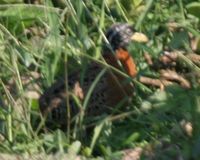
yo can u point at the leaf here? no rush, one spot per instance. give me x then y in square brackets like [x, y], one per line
[194, 9]
[17, 16]
[132, 138]
[137, 2]
[74, 148]
[179, 39]
[10, 1]
[97, 132]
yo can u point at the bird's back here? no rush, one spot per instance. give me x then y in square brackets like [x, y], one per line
[106, 94]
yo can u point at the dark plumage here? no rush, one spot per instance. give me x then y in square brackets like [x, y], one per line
[111, 90]
[119, 35]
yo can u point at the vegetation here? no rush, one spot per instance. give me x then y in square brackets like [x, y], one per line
[41, 40]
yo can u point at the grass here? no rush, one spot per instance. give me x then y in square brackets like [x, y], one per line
[40, 42]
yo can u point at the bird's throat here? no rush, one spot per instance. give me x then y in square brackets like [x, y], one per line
[127, 61]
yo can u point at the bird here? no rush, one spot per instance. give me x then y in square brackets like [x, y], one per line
[112, 89]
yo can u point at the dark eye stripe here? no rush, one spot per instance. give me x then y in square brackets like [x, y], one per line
[112, 35]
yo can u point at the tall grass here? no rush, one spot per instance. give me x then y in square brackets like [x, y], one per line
[40, 42]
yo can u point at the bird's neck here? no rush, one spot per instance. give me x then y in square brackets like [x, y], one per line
[125, 59]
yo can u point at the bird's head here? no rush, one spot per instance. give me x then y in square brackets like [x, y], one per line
[119, 37]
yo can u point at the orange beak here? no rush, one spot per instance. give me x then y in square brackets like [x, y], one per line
[139, 37]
